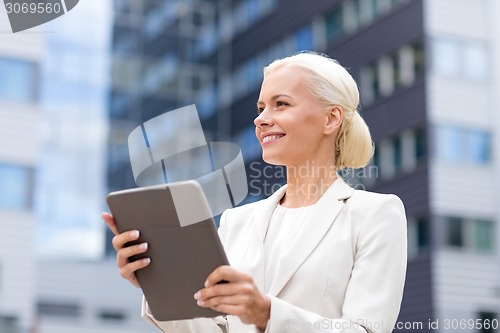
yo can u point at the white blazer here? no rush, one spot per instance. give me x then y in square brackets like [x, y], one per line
[344, 272]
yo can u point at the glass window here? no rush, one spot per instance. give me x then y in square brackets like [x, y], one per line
[334, 24]
[454, 58]
[419, 57]
[376, 157]
[446, 57]
[454, 232]
[18, 80]
[350, 15]
[422, 234]
[240, 18]
[483, 235]
[366, 81]
[420, 143]
[463, 145]
[396, 69]
[367, 10]
[386, 151]
[418, 238]
[252, 73]
[252, 10]
[14, 187]
[475, 61]
[479, 146]
[207, 100]
[370, 83]
[450, 143]
[398, 156]
[197, 18]
[58, 309]
[112, 315]
[406, 61]
[384, 6]
[119, 104]
[225, 26]
[303, 39]
[154, 23]
[9, 324]
[398, 2]
[386, 75]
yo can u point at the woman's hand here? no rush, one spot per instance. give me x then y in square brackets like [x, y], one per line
[123, 253]
[239, 297]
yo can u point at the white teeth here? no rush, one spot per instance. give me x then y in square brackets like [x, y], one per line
[271, 137]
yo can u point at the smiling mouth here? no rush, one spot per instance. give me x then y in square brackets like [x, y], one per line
[272, 138]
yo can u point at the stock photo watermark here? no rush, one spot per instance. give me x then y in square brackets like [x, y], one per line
[26, 14]
[444, 324]
[335, 324]
[265, 179]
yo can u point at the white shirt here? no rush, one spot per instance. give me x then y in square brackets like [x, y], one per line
[284, 225]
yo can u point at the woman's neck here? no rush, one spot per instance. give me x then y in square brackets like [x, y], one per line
[307, 183]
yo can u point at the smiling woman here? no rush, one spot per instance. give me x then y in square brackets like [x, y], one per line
[317, 255]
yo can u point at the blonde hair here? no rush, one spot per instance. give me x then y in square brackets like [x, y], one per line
[333, 85]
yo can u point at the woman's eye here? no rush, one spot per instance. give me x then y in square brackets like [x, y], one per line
[259, 110]
[281, 103]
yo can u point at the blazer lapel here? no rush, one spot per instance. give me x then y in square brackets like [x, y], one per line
[311, 232]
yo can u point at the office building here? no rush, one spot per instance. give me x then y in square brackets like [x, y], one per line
[86, 297]
[20, 134]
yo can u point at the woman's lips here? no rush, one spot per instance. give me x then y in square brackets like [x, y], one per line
[271, 138]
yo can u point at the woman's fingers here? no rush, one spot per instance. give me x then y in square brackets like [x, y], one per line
[224, 289]
[128, 271]
[239, 297]
[123, 254]
[226, 273]
[120, 240]
[110, 222]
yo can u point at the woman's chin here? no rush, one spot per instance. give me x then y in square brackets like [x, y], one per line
[272, 159]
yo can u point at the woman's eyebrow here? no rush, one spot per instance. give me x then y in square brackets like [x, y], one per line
[275, 97]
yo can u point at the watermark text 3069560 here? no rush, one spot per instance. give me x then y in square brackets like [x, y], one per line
[40, 8]
[26, 14]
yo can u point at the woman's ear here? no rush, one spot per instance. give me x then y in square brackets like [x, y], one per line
[334, 118]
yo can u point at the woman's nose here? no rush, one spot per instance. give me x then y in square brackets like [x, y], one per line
[263, 119]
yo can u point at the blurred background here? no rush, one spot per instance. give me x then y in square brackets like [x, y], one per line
[73, 89]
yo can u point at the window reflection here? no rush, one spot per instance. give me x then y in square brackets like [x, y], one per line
[18, 77]
[461, 145]
[14, 187]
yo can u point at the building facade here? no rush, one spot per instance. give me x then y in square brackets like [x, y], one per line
[427, 72]
[20, 134]
[86, 297]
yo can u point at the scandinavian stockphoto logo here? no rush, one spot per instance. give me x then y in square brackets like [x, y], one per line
[172, 147]
[26, 14]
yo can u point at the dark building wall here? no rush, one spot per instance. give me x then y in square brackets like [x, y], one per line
[416, 307]
[402, 26]
[292, 14]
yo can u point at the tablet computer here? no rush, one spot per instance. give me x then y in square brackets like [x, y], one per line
[182, 254]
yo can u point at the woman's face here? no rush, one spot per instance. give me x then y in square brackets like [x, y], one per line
[291, 125]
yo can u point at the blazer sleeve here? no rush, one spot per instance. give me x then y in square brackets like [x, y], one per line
[375, 289]
[205, 325]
